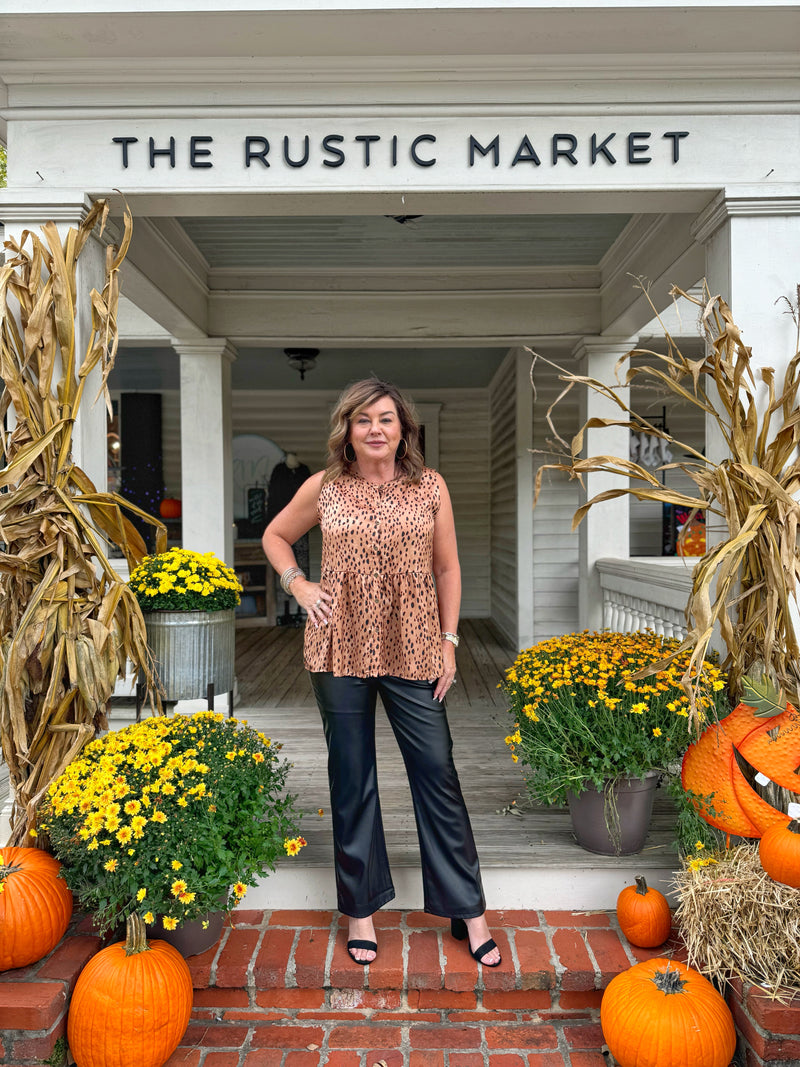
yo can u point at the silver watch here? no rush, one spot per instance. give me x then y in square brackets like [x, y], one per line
[452, 638]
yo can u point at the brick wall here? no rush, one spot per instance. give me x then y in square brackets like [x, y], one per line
[34, 1000]
[769, 1031]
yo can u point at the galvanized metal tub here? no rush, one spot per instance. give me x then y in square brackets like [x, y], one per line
[192, 649]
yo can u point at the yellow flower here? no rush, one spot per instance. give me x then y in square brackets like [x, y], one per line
[142, 893]
[169, 922]
[239, 889]
[111, 865]
[178, 887]
[639, 709]
[149, 918]
[176, 865]
[698, 845]
[656, 731]
[186, 898]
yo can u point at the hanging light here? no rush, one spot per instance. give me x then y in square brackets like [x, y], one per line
[302, 359]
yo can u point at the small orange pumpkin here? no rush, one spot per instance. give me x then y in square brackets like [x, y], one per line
[131, 1003]
[35, 906]
[643, 915]
[779, 852]
[661, 1013]
[170, 508]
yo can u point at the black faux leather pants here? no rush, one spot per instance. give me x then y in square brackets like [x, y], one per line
[450, 871]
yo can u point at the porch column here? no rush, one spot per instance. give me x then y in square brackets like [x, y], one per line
[604, 531]
[89, 446]
[752, 260]
[206, 445]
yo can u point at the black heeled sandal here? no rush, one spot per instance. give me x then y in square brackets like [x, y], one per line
[458, 929]
[370, 946]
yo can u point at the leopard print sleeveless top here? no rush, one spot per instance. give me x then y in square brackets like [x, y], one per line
[377, 556]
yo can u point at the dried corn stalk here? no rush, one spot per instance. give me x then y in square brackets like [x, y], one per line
[746, 582]
[68, 623]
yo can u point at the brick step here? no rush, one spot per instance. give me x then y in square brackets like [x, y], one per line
[549, 952]
[278, 990]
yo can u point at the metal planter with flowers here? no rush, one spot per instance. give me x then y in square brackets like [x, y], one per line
[188, 600]
[171, 819]
[595, 735]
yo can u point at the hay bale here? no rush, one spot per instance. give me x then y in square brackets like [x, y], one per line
[737, 922]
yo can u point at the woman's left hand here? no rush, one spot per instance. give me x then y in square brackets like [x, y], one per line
[448, 678]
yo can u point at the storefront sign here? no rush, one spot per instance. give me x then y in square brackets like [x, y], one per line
[260, 151]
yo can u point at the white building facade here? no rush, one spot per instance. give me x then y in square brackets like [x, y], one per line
[424, 192]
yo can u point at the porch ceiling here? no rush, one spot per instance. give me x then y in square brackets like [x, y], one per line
[404, 241]
[267, 368]
[410, 281]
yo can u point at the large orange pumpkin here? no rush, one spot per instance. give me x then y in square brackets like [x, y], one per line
[770, 745]
[35, 906]
[661, 1013]
[643, 915]
[779, 852]
[131, 1004]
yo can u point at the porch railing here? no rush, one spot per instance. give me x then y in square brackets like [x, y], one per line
[646, 593]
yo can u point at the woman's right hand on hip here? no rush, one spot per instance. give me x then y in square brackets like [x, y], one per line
[312, 597]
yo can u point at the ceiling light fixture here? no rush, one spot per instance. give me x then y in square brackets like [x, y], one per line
[302, 359]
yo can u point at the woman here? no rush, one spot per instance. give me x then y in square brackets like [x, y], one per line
[378, 623]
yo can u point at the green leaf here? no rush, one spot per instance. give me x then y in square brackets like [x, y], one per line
[762, 696]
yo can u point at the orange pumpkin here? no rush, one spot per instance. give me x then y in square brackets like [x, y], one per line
[170, 508]
[131, 1004]
[35, 906]
[779, 852]
[643, 915]
[771, 746]
[661, 1013]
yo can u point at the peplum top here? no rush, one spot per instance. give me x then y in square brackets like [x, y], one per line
[377, 558]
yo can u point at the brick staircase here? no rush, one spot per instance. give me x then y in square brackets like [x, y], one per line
[278, 990]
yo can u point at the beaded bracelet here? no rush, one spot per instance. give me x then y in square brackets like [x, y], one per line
[288, 577]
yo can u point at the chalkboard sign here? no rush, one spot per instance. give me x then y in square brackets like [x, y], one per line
[257, 506]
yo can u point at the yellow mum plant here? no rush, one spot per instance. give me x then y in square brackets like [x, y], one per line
[581, 717]
[181, 580]
[171, 817]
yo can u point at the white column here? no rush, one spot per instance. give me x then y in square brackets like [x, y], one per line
[604, 532]
[524, 471]
[89, 433]
[752, 260]
[207, 445]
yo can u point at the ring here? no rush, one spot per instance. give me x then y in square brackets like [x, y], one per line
[317, 602]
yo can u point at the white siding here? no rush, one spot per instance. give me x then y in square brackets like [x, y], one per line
[503, 498]
[297, 420]
[555, 547]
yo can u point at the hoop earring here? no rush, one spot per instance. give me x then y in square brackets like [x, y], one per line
[402, 455]
[349, 458]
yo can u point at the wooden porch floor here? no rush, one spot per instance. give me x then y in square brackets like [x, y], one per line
[275, 696]
[270, 673]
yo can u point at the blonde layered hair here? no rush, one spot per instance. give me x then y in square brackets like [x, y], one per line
[353, 401]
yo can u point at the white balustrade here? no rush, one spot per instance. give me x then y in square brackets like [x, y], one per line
[646, 593]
